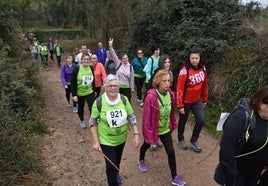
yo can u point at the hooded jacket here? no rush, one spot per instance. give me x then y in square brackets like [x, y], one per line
[192, 85]
[151, 116]
[234, 130]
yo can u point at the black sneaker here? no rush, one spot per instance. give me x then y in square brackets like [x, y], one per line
[182, 145]
[195, 146]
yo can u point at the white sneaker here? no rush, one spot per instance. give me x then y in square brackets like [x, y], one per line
[75, 110]
[68, 104]
[83, 125]
[153, 147]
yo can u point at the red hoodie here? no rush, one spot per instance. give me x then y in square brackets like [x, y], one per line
[192, 86]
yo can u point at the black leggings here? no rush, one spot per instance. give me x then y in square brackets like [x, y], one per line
[68, 94]
[168, 144]
[126, 92]
[81, 104]
[97, 90]
[115, 155]
[139, 83]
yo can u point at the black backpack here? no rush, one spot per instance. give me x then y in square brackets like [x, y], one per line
[110, 67]
[249, 124]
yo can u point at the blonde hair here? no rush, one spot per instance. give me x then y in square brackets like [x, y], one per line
[158, 77]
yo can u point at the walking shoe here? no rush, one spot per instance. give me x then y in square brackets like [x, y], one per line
[119, 179]
[75, 110]
[83, 125]
[195, 146]
[159, 143]
[182, 145]
[68, 104]
[142, 166]
[177, 180]
[153, 147]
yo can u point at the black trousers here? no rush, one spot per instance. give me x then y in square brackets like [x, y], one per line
[139, 83]
[97, 90]
[115, 155]
[68, 94]
[199, 115]
[126, 92]
[166, 139]
[81, 104]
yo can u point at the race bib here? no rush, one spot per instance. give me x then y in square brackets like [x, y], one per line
[116, 118]
[87, 80]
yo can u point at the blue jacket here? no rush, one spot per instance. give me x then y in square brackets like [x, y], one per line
[101, 54]
[66, 74]
[138, 66]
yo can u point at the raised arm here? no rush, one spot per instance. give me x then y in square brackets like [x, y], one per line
[113, 54]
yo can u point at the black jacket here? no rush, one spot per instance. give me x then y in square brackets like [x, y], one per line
[233, 132]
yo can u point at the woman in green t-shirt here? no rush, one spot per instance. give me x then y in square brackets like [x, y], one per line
[109, 123]
[159, 121]
[83, 87]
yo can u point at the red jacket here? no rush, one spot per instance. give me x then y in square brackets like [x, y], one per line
[99, 74]
[191, 86]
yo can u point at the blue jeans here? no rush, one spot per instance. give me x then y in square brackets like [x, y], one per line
[199, 115]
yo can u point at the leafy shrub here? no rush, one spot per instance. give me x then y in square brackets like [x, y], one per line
[238, 74]
[70, 45]
[43, 35]
[20, 117]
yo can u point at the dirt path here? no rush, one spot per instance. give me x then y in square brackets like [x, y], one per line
[71, 160]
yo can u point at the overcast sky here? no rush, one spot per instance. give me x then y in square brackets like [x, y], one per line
[264, 3]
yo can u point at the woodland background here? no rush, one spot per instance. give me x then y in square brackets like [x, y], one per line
[232, 36]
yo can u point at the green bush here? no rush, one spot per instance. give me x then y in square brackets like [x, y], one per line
[238, 74]
[20, 116]
[70, 45]
[60, 34]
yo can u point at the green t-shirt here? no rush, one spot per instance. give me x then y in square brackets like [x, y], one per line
[58, 50]
[165, 109]
[84, 81]
[43, 50]
[112, 127]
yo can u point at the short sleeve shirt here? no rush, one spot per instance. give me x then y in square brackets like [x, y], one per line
[112, 127]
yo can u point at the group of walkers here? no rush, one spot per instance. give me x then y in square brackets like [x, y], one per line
[112, 115]
[46, 50]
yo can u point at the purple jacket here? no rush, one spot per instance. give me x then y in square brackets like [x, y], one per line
[151, 116]
[66, 74]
